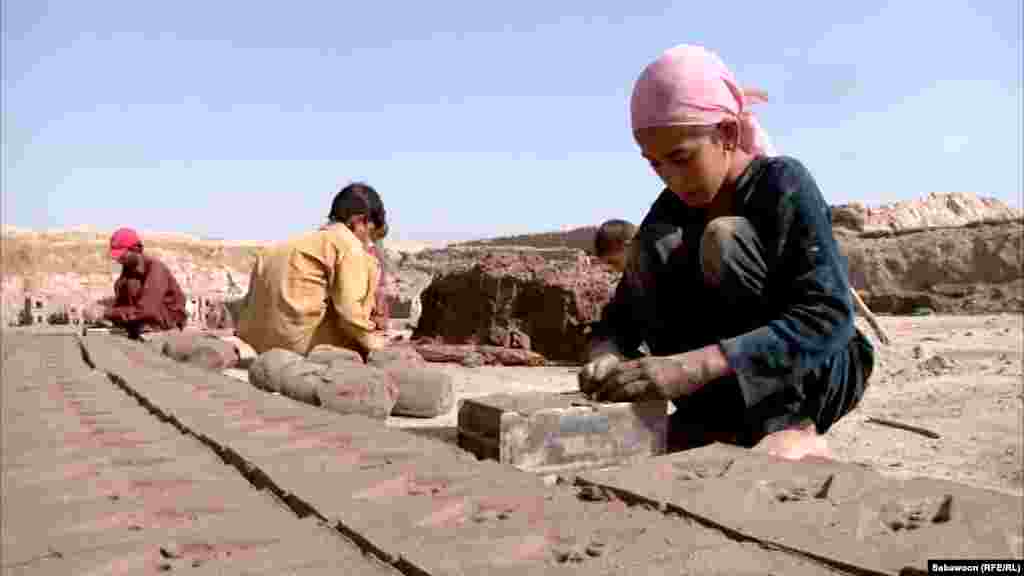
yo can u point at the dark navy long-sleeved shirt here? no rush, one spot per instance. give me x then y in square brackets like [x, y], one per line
[805, 316]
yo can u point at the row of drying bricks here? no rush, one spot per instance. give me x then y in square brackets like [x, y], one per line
[416, 504]
[94, 484]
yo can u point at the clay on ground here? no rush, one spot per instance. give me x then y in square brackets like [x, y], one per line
[265, 371]
[423, 391]
[300, 380]
[199, 349]
[471, 355]
[415, 500]
[957, 375]
[833, 511]
[96, 484]
[388, 354]
[357, 389]
[326, 353]
[246, 353]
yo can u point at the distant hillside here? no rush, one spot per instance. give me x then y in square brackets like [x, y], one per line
[72, 267]
[577, 238]
[72, 270]
[45, 253]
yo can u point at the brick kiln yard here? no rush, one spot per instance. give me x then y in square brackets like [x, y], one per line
[117, 460]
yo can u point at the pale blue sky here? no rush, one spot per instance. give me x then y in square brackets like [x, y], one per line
[473, 119]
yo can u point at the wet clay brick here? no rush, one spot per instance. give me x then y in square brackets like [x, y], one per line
[559, 432]
[200, 349]
[299, 381]
[423, 391]
[357, 389]
[265, 370]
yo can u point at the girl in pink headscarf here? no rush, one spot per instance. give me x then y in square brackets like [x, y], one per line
[683, 96]
[735, 282]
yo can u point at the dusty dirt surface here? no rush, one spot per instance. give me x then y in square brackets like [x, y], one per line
[957, 376]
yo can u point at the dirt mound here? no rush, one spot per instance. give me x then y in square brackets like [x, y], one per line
[577, 239]
[934, 211]
[517, 292]
[949, 253]
[975, 269]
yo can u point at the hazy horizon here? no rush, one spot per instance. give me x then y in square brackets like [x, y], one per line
[239, 122]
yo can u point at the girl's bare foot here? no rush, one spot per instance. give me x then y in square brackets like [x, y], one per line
[795, 444]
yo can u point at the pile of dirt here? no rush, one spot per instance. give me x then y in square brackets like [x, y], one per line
[949, 253]
[936, 210]
[973, 269]
[414, 271]
[581, 238]
[517, 298]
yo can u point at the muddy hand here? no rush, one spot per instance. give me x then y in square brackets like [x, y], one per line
[656, 378]
[638, 380]
[595, 372]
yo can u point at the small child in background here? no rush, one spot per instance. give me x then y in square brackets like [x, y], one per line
[381, 314]
[611, 246]
[611, 243]
[374, 245]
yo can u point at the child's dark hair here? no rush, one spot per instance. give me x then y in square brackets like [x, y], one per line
[612, 235]
[353, 200]
[357, 199]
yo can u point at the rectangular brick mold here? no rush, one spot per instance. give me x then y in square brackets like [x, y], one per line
[543, 432]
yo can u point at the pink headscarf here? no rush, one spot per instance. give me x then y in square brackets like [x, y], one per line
[691, 86]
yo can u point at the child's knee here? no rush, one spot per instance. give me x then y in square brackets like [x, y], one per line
[719, 244]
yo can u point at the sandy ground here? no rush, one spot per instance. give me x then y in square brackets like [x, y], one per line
[958, 376]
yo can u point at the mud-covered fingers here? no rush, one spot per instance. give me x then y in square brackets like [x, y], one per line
[623, 375]
[630, 392]
[586, 381]
[604, 366]
[595, 372]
